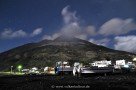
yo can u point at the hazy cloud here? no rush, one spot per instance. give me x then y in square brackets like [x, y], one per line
[36, 32]
[82, 36]
[71, 29]
[90, 30]
[72, 26]
[103, 42]
[117, 26]
[51, 37]
[8, 34]
[125, 43]
[48, 37]
[71, 22]
[68, 16]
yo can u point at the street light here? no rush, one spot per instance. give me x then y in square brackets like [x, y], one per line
[19, 67]
[11, 69]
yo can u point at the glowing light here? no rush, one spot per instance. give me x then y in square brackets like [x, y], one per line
[19, 67]
[134, 59]
[126, 66]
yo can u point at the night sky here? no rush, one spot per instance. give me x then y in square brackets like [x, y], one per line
[111, 23]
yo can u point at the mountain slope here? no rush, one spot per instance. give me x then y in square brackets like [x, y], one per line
[47, 52]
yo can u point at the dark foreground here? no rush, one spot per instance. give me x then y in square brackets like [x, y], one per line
[95, 82]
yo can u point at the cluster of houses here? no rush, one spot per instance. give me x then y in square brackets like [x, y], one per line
[102, 66]
[117, 65]
[36, 71]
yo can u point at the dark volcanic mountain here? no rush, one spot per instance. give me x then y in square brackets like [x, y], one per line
[68, 48]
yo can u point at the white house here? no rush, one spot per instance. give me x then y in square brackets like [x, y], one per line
[103, 63]
[120, 62]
